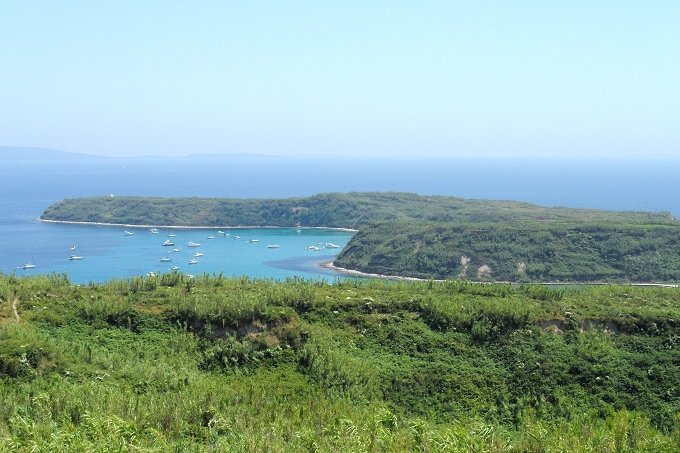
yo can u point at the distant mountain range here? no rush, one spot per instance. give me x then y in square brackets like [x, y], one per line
[231, 156]
[24, 153]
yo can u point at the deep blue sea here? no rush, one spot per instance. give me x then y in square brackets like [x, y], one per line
[27, 188]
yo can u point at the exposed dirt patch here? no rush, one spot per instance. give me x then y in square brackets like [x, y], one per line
[559, 326]
[553, 326]
[15, 313]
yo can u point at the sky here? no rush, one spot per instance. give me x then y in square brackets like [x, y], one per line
[352, 78]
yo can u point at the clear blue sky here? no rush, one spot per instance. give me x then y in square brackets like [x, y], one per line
[355, 77]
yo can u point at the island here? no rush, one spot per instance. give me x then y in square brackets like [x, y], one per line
[432, 237]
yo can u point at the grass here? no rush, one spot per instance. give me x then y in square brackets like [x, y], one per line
[214, 364]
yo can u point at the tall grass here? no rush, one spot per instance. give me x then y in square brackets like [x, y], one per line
[217, 364]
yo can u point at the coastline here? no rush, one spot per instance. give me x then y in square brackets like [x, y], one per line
[192, 227]
[354, 273]
[340, 270]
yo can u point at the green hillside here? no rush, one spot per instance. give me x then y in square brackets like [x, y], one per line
[169, 363]
[524, 251]
[343, 210]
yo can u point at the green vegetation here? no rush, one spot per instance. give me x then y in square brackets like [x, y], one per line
[169, 363]
[339, 210]
[435, 237]
[518, 252]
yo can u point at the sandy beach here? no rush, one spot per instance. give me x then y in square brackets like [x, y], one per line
[354, 273]
[189, 227]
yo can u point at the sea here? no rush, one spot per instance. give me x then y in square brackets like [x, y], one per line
[28, 187]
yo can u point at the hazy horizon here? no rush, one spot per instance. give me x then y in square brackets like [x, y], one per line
[381, 78]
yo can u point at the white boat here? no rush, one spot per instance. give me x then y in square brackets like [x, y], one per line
[210, 237]
[193, 244]
[165, 259]
[273, 246]
[237, 237]
[221, 232]
[128, 233]
[75, 258]
[175, 250]
[197, 254]
[172, 235]
[193, 261]
[153, 230]
[330, 245]
[28, 266]
[253, 240]
[313, 248]
[168, 243]
[174, 268]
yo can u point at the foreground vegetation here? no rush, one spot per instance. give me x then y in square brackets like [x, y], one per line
[169, 363]
[518, 251]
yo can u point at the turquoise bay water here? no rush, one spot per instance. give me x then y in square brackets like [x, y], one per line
[108, 253]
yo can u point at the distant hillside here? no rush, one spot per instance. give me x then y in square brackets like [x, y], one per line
[524, 252]
[230, 156]
[21, 153]
[344, 210]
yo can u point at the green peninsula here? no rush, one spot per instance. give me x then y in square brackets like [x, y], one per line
[410, 235]
[336, 210]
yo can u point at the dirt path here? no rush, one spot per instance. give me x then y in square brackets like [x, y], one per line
[15, 313]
